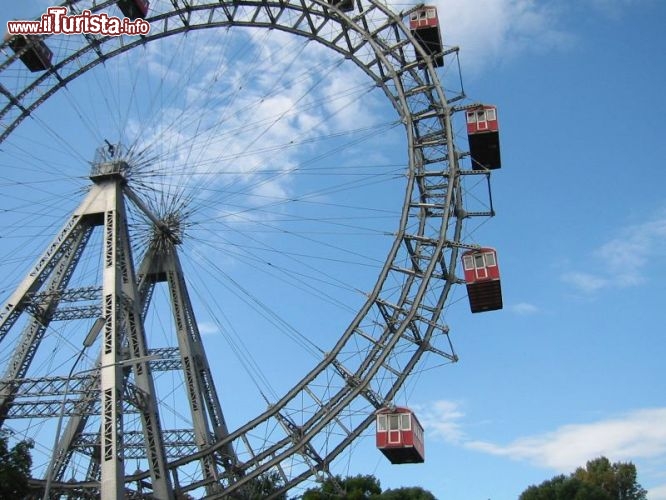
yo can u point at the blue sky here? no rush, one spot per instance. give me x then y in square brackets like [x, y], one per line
[572, 367]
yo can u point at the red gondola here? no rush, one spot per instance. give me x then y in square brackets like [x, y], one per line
[33, 51]
[134, 9]
[424, 25]
[400, 435]
[483, 136]
[483, 279]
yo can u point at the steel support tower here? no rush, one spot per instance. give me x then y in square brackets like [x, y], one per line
[121, 382]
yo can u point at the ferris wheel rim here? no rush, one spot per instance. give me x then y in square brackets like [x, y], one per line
[403, 109]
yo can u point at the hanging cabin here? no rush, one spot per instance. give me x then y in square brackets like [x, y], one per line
[483, 137]
[400, 436]
[134, 9]
[482, 277]
[424, 26]
[32, 51]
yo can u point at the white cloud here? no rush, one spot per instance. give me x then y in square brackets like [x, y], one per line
[657, 492]
[442, 419]
[489, 31]
[262, 119]
[208, 328]
[621, 262]
[585, 282]
[348, 101]
[525, 308]
[636, 435]
[271, 191]
[628, 254]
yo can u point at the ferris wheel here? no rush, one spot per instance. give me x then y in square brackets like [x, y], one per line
[185, 196]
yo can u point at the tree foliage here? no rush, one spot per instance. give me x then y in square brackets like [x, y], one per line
[354, 487]
[599, 480]
[363, 487]
[15, 464]
[261, 487]
[411, 493]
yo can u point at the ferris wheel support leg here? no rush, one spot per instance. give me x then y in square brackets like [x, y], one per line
[190, 342]
[38, 275]
[111, 467]
[161, 263]
[42, 309]
[144, 393]
[121, 308]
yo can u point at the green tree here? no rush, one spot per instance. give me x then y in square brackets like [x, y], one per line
[599, 480]
[619, 480]
[558, 488]
[361, 488]
[411, 493]
[261, 487]
[15, 466]
[358, 487]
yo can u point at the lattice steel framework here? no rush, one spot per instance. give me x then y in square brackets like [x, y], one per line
[310, 425]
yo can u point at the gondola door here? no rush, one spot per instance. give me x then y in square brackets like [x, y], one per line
[481, 121]
[394, 429]
[480, 266]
